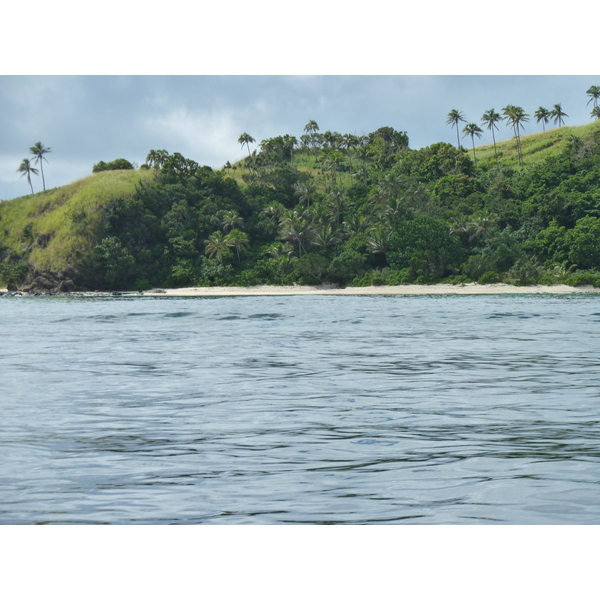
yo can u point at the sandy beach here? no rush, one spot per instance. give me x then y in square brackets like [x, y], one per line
[407, 290]
[330, 290]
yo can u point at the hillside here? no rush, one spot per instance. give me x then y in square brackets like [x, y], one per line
[56, 229]
[536, 147]
[334, 209]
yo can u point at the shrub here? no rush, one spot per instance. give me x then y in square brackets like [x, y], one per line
[13, 272]
[583, 278]
[114, 165]
[489, 277]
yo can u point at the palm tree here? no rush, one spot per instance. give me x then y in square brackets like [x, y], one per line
[293, 228]
[38, 150]
[161, 157]
[542, 114]
[490, 118]
[324, 237]
[515, 116]
[25, 168]
[378, 242]
[557, 114]
[473, 130]
[594, 94]
[311, 129]
[217, 245]
[596, 112]
[247, 139]
[237, 239]
[232, 220]
[454, 118]
[152, 158]
[305, 191]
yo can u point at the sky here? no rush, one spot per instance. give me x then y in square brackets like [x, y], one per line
[85, 119]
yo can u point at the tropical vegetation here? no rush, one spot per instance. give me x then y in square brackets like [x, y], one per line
[341, 208]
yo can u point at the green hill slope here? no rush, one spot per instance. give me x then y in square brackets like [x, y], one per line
[53, 229]
[536, 147]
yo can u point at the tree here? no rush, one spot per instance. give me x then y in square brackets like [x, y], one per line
[38, 150]
[557, 114]
[247, 139]
[25, 168]
[596, 112]
[473, 130]
[490, 118]
[305, 191]
[594, 94]
[157, 158]
[542, 114]
[454, 118]
[239, 240]
[113, 165]
[217, 245]
[232, 220]
[516, 116]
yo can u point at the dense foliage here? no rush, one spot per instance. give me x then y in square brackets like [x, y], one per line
[351, 210]
[356, 211]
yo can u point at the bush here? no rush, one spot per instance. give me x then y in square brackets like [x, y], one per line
[489, 277]
[583, 278]
[346, 266]
[114, 165]
[13, 272]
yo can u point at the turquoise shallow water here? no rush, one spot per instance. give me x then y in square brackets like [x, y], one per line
[301, 409]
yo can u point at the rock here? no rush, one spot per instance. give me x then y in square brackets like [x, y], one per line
[12, 287]
[66, 286]
[44, 283]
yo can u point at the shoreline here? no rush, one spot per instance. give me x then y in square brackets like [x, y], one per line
[383, 290]
[440, 289]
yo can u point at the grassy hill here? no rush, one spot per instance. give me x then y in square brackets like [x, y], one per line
[535, 146]
[50, 229]
[53, 235]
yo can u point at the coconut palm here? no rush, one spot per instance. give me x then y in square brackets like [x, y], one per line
[490, 118]
[25, 168]
[473, 130]
[293, 228]
[38, 150]
[151, 158]
[239, 240]
[557, 114]
[378, 242]
[247, 139]
[453, 118]
[596, 112]
[311, 129]
[355, 223]
[336, 200]
[594, 94]
[305, 191]
[516, 116]
[231, 220]
[542, 114]
[324, 237]
[217, 245]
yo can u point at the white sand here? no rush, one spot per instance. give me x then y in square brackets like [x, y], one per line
[381, 290]
[409, 290]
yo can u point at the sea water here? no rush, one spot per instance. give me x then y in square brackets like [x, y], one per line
[300, 409]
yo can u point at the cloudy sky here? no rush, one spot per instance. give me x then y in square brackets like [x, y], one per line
[85, 119]
[76, 93]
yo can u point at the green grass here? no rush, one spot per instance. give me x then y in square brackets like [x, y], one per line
[535, 146]
[52, 228]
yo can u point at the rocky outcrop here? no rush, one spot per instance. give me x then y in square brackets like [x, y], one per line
[51, 282]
